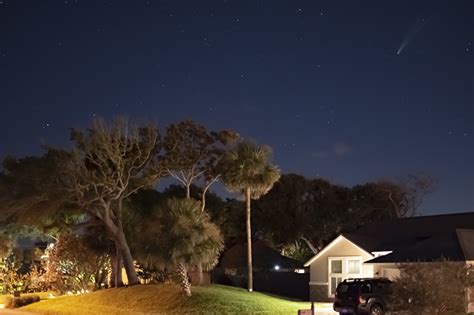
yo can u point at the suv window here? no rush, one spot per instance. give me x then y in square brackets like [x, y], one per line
[351, 288]
[366, 287]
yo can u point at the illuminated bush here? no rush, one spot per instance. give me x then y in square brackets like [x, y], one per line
[435, 287]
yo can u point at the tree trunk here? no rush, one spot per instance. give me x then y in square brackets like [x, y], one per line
[116, 277]
[188, 191]
[249, 242]
[127, 258]
[310, 245]
[183, 279]
[200, 274]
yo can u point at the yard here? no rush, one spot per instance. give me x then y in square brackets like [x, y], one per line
[167, 299]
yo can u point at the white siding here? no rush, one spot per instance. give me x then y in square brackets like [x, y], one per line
[342, 248]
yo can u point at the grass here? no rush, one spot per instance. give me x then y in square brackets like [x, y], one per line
[167, 299]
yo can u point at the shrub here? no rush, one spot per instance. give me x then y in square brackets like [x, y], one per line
[432, 286]
[22, 301]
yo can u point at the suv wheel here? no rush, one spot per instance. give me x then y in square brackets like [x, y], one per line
[376, 310]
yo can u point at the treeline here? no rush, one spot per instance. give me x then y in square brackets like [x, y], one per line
[102, 189]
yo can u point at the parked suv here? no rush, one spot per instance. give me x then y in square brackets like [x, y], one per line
[363, 296]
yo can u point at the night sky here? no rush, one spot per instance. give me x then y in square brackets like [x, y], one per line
[351, 91]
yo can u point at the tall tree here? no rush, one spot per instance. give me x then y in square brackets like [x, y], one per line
[192, 154]
[247, 169]
[111, 162]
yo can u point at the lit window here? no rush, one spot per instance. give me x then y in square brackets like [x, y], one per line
[336, 266]
[353, 266]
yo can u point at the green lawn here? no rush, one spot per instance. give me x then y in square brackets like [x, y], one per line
[167, 299]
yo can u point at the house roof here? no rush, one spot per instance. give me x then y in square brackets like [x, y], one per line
[425, 238]
[446, 245]
[394, 234]
[263, 257]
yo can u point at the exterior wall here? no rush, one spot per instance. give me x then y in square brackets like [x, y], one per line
[390, 271]
[319, 281]
[344, 248]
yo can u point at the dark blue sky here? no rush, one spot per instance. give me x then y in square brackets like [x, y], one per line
[319, 81]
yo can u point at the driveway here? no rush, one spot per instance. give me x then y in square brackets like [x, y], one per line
[324, 309]
[6, 311]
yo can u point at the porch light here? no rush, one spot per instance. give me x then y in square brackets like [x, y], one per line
[276, 267]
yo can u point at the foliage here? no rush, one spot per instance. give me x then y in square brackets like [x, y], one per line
[192, 154]
[301, 215]
[11, 279]
[177, 232]
[167, 299]
[231, 220]
[36, 280]
[433, 286]
[73, 266]
[29, 188]
[248, 166]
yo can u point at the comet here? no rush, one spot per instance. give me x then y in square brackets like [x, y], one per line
[412, 34]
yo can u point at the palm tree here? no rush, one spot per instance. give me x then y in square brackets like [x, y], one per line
[187, 237]
[248, 170]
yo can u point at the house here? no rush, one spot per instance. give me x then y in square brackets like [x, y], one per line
[376, 250]
[272, 272]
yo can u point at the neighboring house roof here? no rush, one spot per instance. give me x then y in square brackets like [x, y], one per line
[426, 238]
[263, 257]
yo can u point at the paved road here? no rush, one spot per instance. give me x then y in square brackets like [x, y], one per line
[6, 311]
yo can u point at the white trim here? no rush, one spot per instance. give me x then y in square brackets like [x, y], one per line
[332, 244]
[318, 283]
[382, 253]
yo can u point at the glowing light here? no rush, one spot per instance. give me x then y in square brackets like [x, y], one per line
[276, 267]
[2, 306]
